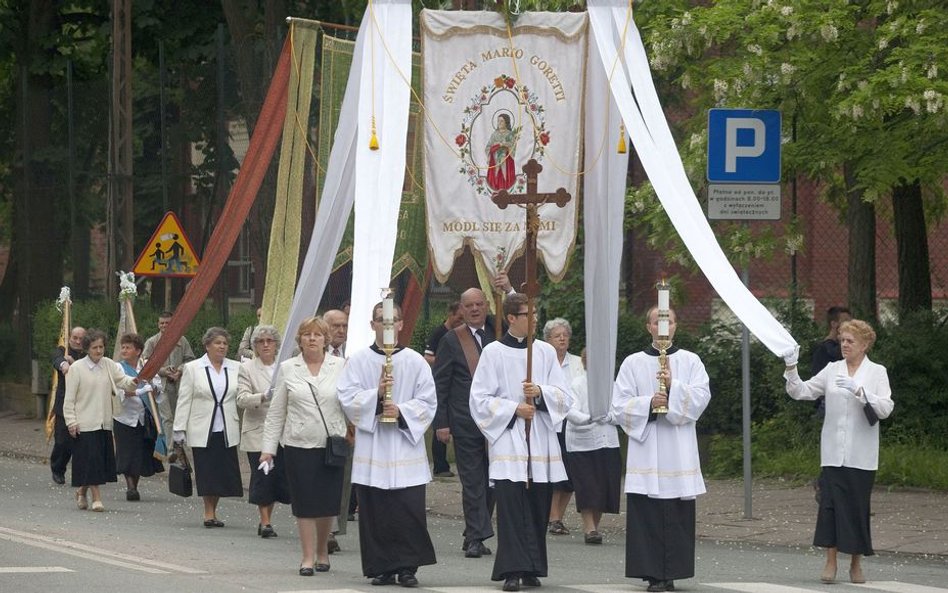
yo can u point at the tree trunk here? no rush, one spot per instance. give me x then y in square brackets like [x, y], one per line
[861, 221]
[911, 236]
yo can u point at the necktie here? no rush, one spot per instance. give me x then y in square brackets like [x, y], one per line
[481, 338]
[337, 352]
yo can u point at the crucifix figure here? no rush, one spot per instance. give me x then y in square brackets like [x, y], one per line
[532, 199]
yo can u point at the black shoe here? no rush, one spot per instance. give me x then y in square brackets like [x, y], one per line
[444, 474]
[384, 579]
[407, 579]
[266, 531]
[657, 585]
[476, 549]
[529, 580]
[213, 523]
[593, 537]
[333, 545]
[307, 571]
[59, 478]
[669, 585]
[132, 495]
[512, 584]
[320, 567]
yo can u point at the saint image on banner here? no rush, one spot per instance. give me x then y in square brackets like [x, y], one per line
[501, 147]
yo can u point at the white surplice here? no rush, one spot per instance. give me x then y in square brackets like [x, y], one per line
[497, 389]
[389, 455]
[662, 459]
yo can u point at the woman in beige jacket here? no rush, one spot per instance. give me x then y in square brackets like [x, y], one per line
[304, 411]
[206, 418]
[254, 392]
[87, 410]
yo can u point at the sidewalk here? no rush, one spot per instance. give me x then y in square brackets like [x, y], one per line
[904, 521]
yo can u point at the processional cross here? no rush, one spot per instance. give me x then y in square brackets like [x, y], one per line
[532, 199]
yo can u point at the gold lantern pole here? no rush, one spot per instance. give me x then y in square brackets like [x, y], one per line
[388, 342]
[663, 342]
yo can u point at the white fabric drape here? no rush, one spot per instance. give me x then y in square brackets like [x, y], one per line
[347, 165]
[380, 174]
[645, 120]
[603, 205]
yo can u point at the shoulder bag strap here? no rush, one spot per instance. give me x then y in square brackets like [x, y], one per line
[468, 347]
[323, 418]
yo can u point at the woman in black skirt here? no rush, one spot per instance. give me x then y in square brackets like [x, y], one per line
[134, 425]
[857, 395]
[303, 413]
[254, 392]
[206, 418]
[594, 462]
[87, 409]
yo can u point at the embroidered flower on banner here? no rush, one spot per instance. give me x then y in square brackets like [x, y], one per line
[496, 164]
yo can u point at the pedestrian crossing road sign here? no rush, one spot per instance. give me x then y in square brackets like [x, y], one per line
[168, 253]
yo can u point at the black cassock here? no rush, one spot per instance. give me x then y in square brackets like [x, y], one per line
[522, 515]
[393, 530]
[659, 538]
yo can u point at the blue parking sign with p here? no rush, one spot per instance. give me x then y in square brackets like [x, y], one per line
[743, 146]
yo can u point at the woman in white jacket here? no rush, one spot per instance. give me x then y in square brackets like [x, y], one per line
[304, 411]
[857, 396]
[206, 418]
[254, 392]
[87, 411]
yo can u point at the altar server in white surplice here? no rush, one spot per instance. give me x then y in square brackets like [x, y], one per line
[390, 463]
[499, 408]
[663, 473]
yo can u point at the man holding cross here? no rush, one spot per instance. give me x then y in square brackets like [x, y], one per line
[517, 405]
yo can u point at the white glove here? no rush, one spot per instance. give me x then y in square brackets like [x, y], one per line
[266, 466]
[847, 383]
[179, 437]
[604, 419]
[791, 356]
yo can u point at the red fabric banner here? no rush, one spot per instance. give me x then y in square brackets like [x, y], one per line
[263, 143]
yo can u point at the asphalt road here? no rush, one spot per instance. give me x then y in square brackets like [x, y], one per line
[159, 544]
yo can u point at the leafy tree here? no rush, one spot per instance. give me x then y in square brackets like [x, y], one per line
[863, 99]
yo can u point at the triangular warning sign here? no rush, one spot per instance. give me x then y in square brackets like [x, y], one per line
[168, 253]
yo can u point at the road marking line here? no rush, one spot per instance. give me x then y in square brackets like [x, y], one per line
[92, 553]
[759, 587]
[896, 587]
[31, 569]
[322, 591]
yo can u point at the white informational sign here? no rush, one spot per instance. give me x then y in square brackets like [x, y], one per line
[743, 201]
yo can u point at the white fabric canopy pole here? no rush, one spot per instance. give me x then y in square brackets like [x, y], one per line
[656, 148]
[380, 174]
[603, 207]
[339, 189]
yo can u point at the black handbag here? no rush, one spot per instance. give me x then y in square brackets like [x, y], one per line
[871, 415]
[337, 448]
[179, 475]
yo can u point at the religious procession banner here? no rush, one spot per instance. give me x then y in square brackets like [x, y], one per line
[495, 98]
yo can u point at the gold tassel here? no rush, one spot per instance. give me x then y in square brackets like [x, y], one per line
[373, 140]
[621, 149]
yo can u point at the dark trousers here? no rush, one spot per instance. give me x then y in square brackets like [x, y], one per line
[62, 447]
[477, 499]
[439, 456]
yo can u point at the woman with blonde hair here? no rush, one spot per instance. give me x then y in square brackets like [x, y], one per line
[305, 411]
[857, 396]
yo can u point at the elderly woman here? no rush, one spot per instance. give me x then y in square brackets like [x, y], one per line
[87, 410]
[206, 418]
[857, 396]
[593, 461]
[303, 413]
[557, 332]
[134, 426]
[254, 392]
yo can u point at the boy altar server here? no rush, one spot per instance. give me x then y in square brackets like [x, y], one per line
[390, 463]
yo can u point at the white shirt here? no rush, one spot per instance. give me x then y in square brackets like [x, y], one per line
[389, 455]
[847, 439]
[662, 460]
